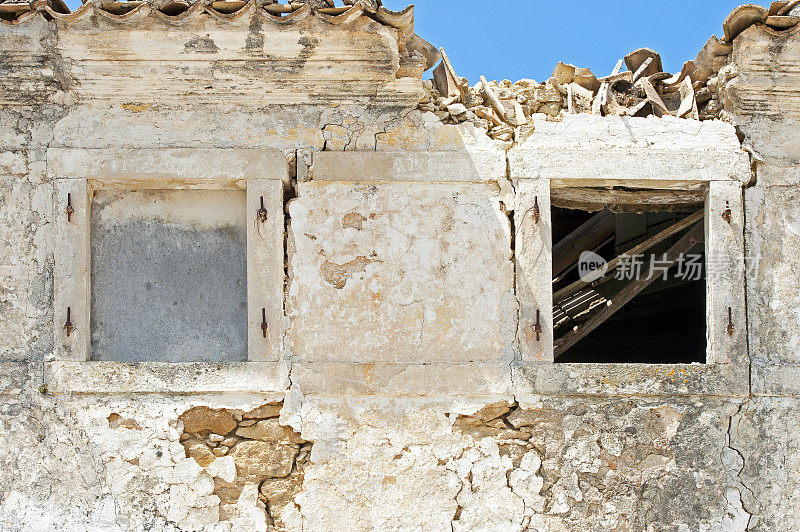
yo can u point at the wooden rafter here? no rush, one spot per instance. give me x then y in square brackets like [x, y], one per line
[588, 235]
[644, 246]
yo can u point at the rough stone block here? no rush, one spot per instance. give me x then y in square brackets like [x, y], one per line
[773, 286]
[202, 418]
[400, 273]
[659, 152]
[461, 166]
[257, 460]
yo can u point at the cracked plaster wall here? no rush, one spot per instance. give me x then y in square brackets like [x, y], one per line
[377, 461]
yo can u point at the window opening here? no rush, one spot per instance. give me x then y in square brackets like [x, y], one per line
[629, 287]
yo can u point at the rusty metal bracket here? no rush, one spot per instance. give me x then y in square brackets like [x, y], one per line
[70, 211]
[729, 328]
[68, 326]
[727, 215]
[536, 212]
[537, 327]
[262, 212]
[264, 325]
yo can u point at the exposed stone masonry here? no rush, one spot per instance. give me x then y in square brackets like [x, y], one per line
[265, 453]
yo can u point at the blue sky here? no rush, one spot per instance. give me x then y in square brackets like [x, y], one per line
[514, 39]
[517, 39]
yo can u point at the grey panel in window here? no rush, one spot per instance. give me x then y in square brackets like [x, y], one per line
[168, 276]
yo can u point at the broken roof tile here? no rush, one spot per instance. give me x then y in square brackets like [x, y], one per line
[742, 18]
[782, 22]
[637, 58]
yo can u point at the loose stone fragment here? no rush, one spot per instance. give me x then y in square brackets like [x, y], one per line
[637, 58]
[202, 418]
[257, 460]
[587, 80]
[456, 109]
[564, 74]
[269, 430]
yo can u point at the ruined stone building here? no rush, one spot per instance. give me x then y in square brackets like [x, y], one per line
[277, 266]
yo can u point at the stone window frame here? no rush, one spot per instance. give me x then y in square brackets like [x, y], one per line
[726, 371]
[76, 174]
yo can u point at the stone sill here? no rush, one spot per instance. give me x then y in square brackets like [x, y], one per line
[418, 380]
[167, 378]
[616, 380]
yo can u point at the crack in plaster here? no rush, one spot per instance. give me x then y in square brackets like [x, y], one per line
[734, 470]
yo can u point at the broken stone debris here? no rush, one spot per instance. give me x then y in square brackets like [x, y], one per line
[644, 89]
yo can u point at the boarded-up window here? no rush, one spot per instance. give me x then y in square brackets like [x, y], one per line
[168, 276]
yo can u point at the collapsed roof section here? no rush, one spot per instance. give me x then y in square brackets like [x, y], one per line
[641, 88]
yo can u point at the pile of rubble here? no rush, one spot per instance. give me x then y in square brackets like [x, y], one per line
[506, 109]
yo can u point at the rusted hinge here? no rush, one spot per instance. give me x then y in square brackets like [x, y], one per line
[68, 326]
[727, 215]
[730, 321]
[537, 327]
[262, 212]
[536, 212]
[264, 325]
[70, 210]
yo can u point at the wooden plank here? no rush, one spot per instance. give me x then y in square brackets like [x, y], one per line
[630, 291]
[494, 101]
[587, 236]
[688, 107]
[644, 246]
[594, 199]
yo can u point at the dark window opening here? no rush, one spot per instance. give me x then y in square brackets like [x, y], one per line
[650, 304]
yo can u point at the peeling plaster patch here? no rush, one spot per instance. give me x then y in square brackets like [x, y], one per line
[354, 220]
[338, 274]
[572, 465]
[255, 36]
[115, 421]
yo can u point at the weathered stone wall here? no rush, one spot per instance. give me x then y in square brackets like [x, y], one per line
[762, 94]
[401, 399]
